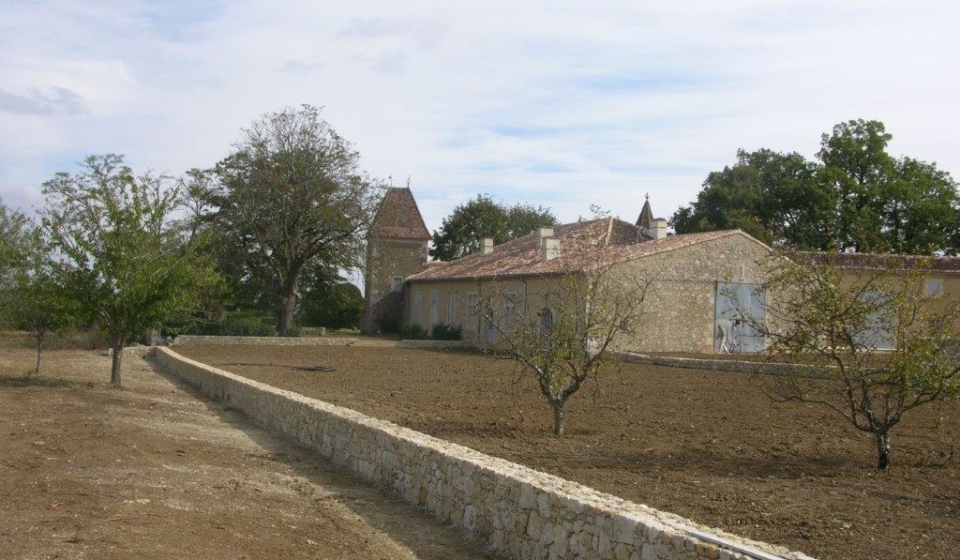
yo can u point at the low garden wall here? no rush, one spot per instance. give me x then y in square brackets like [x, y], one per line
[736, 366]
[436, 344]
[197, 340]
[520, 512]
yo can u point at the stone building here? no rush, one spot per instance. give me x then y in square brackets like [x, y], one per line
[699, 281]
[397, 247]
[940, 277]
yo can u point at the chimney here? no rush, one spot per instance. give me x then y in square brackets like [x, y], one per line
[658, 228]
[486, 245]
[550, 248]
[543, 233]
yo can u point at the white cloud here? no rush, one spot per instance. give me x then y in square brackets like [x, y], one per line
[559, 103]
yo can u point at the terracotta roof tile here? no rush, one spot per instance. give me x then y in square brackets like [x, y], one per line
[874, 261]
[398, 217]
[620, 242]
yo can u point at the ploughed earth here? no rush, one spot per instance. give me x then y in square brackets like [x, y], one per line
[706, 445]
[153, 471]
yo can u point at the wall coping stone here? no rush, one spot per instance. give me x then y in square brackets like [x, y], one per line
[198, 340]
[736, 366]
[436, 344]
[519, 516]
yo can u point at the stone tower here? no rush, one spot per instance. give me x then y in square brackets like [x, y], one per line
[396, 248]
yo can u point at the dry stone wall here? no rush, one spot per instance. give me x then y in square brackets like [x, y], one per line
[521, 513]
[196, 340]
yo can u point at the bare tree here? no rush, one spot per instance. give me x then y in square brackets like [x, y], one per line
[886, 340]
[566, 337]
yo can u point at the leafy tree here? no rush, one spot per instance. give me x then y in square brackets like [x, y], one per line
[461, 231]
[831, 316]
[292, 197]
[14, 243]
[563, 341]
[331, 302]
[125, 260]
[36, 299]
[856, 197]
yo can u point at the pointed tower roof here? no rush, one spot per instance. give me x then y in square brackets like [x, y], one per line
[646, 215]
[398, 217]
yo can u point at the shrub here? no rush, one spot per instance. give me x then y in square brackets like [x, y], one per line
[413, 332]
[442, 331]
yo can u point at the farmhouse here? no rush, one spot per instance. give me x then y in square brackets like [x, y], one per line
[698, 283]
[940, 277]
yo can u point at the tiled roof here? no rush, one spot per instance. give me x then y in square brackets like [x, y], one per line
[398, 217]
[874, 261]
[522, 257]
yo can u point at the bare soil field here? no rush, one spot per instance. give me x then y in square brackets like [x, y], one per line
[706, 445]
[151, 471]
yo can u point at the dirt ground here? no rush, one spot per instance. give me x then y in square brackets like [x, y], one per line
[705, 445]
[152, 471]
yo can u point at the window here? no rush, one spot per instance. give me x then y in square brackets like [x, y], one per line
[397, 283]
[453, 309]
[510, 313]
[546, 321]
[434, 304]
[933, 287]
[418, 308]
[473, 311]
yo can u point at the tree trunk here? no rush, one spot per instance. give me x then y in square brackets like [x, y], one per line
[36, 370]
[287, 308]
[558, 418]
[115, 364]
[883, 451]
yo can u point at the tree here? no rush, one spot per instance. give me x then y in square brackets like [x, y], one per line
[461, 231]
[856, 197]
[332, 302]
[832, 317]
[125, 260]
[292, 197]
[16, 239]
[565, 340]
[36, 299]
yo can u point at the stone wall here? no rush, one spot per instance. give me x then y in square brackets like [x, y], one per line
[736, 366]
[196, 340]
[521, 513]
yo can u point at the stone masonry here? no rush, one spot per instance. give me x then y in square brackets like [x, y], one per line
[521, 513]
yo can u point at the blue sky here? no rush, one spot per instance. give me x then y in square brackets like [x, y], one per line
[558, 103]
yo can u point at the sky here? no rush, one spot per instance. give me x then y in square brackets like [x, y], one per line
[564, 104]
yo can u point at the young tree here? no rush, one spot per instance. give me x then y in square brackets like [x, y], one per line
[125, 259]
[461, 231]
[888, 345]
[36, 299]
[565, 340]
[292, 197]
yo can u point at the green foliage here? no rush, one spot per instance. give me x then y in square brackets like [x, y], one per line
[33, 297]
[856, 197]
[413, 332]
[461, 231]
[332, 303]
[443, 331]
[120, 254]
[825, 315]
[290, 198]
[234, 323]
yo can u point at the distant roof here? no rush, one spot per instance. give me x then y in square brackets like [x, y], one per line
[875, 261]
[646, 215]
[398, 217]
[621, 241]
